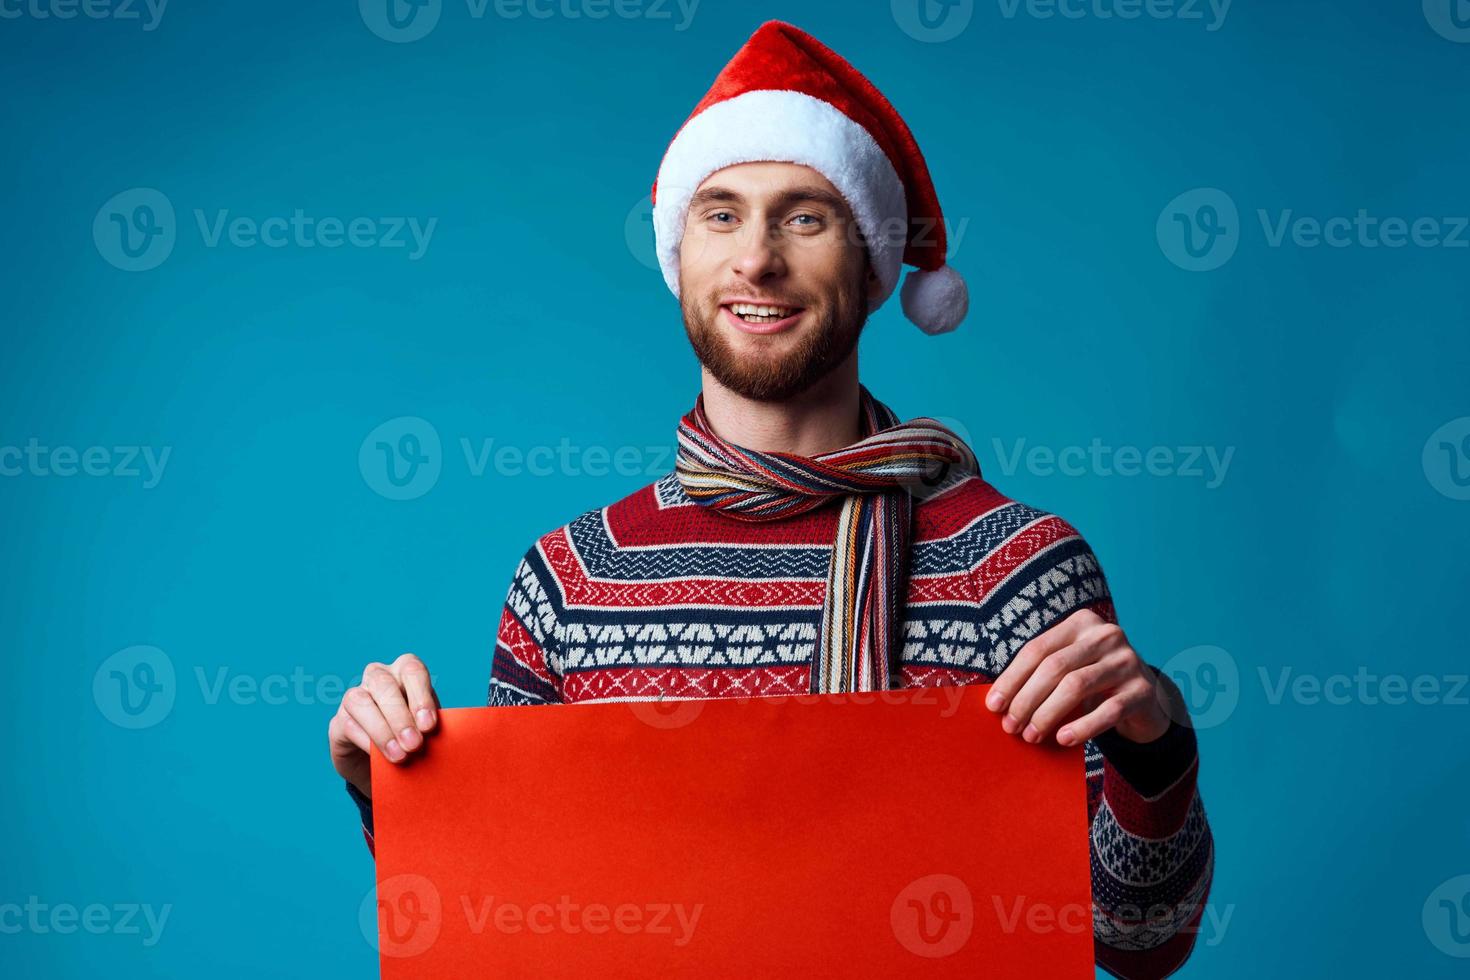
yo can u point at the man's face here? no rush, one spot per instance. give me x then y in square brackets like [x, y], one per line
[772, 235]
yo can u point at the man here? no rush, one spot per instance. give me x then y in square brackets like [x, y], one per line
[808, 541]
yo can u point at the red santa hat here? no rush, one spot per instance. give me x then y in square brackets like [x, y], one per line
[787, 97]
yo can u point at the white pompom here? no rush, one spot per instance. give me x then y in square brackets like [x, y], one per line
[936, 301]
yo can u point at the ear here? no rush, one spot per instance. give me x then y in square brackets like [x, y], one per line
[873, 284]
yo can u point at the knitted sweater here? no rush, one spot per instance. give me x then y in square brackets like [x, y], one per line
[657, 596]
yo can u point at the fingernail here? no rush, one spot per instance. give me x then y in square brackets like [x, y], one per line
[425, 717]
[1009, 724]
[1031, 734]
[409, 738]
[996, 701]
[1065, 736]
[393, 750]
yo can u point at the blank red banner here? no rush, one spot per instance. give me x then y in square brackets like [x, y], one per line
[896, 834]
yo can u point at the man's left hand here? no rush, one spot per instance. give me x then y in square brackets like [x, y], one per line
[1079, 679]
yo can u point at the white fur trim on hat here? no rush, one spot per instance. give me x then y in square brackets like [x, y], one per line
[789, 127]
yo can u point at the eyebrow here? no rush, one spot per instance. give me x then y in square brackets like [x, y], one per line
[808, 193]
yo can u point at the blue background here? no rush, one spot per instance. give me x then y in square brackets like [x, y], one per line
[533, 317]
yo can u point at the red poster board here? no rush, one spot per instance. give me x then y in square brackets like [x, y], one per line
[900, 834]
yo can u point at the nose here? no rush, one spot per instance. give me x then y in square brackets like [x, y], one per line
[759, 258]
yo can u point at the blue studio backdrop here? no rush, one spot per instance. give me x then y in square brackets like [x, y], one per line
[315, 315]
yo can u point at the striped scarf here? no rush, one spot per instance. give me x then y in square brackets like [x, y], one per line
[858, 644]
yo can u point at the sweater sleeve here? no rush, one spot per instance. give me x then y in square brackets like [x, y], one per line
[524, 668]
[1152, 854]
[527, 666]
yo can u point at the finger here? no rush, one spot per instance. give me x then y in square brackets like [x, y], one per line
[419, 688]
[1019, 670]
[1074, 693]
[346, 731]
[388, 692]
[1096, 721]
[363, 708]
[1043, 682]
[1093, 638]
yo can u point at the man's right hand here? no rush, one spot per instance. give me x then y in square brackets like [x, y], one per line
[393, 708]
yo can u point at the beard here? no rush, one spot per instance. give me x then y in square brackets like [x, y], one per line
[778, 368]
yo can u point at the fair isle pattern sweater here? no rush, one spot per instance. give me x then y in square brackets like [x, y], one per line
[656, 596]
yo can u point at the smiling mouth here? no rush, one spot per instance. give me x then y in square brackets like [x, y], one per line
[757, 314]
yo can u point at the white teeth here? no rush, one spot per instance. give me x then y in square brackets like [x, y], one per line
[751, 309]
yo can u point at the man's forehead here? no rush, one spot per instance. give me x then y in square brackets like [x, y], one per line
[762, 181]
